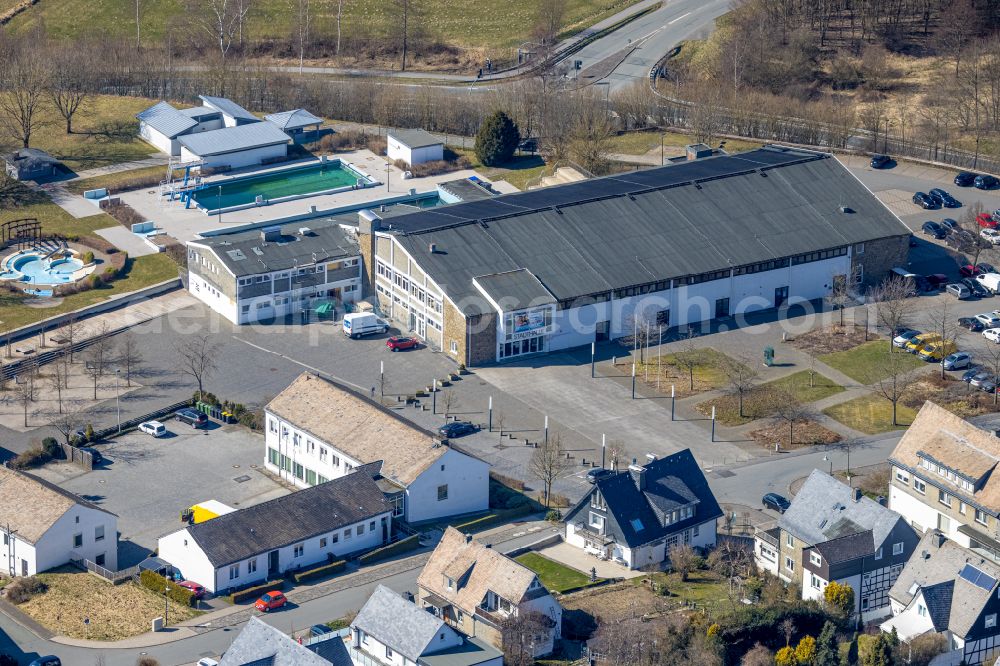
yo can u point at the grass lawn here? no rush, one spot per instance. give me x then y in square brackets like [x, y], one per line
[554, 576]
[91, 144]
[861, 363]
[798, 385]
[518, 172]
[703, 587]
[708, 374]
[144, 271]
[113, 181]
[470, 25]
[115, 611]
[27, 203]
[640, 143]
[871, 414]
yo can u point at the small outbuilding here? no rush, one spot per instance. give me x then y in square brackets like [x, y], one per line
[31, 164]
[299, 124]
[236, 147]
[414, 146]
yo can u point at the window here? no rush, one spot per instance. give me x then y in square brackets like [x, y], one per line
[961, 508]
[322, 454]
[442, 492]
[789, 541]
[814, 580]
[902, 476]
[78, 541]
[299, 550]
[878, 553]
[981, 517]
[694, 531]
[310, 477]
[234, 571]
[252, 566]
[335, 537]
[361, 530]
[897, 548]
[347, 535]
[789, 564]
[371, 526]
[944, 498]
[299, 471]
[991, 620]
[449, 583]
[364, 638]
[99, 533]
[921, 610]
[596, 520]
[322, 542]
[272, 425]
[814, 558]
[77, 520]
[99, 560]
[454, 347]
[919, 486]
[388, 652]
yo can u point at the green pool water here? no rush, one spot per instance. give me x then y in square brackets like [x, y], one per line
[292, 182]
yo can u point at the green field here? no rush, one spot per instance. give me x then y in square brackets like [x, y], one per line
[467, 25]
[798, 385]
[871, 414]
[862, 363]
[555, 577]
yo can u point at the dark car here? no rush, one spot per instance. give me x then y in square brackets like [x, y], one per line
[192, 417]
[970, 323]
[94, 453]
[949, 224]
[319, 630]
[978, 290]
[933, 229]
[880, 161]
[924, 200]
[983, 267]
[937, 279]
[923, 284]
[970, 373]
[942, 198]
[985, 182]
[46, 661]
[598, 473]
[397, 342]
[456, 429]
[776, 502]
[965, 178]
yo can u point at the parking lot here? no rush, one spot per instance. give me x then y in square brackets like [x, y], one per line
[147, 482]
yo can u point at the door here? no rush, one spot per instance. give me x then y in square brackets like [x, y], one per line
[602, 330]
[272, 563]
[721, 308]
[24, 567]
[780, 296]
[944, 523]
[385, 530]
[413, 321]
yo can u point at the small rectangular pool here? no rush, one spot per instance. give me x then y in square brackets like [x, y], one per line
[281, 185]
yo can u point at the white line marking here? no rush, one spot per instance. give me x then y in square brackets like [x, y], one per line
[678, 18]
[300, 363]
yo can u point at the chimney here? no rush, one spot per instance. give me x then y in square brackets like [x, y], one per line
[939, 540]
[638, 473]
[468, 538]
[650, 458]
[368, 221]
[857, 494]
[432, 248]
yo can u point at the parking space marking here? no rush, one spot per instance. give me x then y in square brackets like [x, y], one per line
[900, 202]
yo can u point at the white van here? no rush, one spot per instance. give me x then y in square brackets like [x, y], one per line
[154, 428]
[357, 324]
[990, 281]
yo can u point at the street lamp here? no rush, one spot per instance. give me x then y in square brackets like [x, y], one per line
[218, 205]
[166, 605]
[827, 459]
[118, 402]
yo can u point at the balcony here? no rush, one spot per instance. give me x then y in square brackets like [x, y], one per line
[589, 533]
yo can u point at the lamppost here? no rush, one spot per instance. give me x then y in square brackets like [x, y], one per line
[218, 204]
[166, 605]
[829, 460]
[118, 402]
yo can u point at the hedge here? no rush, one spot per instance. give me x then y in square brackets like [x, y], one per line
[385, 552]
[255, 591]
[319, 572]
[157, 583]
[495, 518]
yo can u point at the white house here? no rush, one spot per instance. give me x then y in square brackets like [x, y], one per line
[162, 124]
[413, 146]
[304, 529]
[45, 526]
[235, 147]
[318, 430]
[636, 517]
[233, 115]
[390, 630]
[299, 124]
[476, 590]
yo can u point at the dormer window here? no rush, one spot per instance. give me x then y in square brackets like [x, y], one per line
[597, 501]
[449, 583]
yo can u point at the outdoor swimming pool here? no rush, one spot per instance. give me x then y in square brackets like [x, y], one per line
[34, 268]
[279, 185]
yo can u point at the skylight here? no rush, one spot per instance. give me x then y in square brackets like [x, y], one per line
[637, 525]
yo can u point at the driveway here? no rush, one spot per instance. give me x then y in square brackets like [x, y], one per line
[147, 482]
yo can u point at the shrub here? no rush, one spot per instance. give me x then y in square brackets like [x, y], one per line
[51, 447]
[497, 139]
[401, 546]
[553, 516]
[147, 661]
[251, 593]
[23, 589]
[439, 166]
[495, 518]
[839, 598]
[33, 457]
[319, 572]
[158, 583]
[94, 280]
[125, 214]
[88, 257]
[785, 657]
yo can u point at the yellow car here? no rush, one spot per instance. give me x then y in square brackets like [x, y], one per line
[936, 351]
[919, 342]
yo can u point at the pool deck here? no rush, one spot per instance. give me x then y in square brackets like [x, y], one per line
[185, 224]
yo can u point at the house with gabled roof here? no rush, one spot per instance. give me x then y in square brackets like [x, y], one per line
[832, 532]
[475, 589]
[635, 517]
[260, 644]
[45, 527]
[391, 630]
[948, 589]
[298, 124]
[942, 478]
[324, 523]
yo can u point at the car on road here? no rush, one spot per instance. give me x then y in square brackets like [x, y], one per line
[270, 601]
[977, 379]
[988, 319]
[970, 373]
[456, 429]
[942, 198]
[985, 182]
[95, 455]
[357, 324]
[971, 324]
[924, 200]
[904, 337]
[986, 221]
[154, 428]
[880, 161]
[978, 290]
[983, 267]
[949, 224]
[937, 351]
[319, 630]
[992, 334]
[937, 279]
[965, 178]
[991, 235]
[594, 475]
[957, 361]
[198, 591]
[959, 291]
[775, 502]
[933, 229]
[988, 385]
[192, 417]
[397, 342]
[919, 342]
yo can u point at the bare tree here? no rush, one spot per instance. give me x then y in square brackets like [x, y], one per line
[138, 25]
[59, 379]
[449, 401]
[689, 356]
[72, 331]
[23, 80]
[69, 84]
[221, 21]
[549, 462]
[129, 355]
[100, 347]
[24, 394]
[549, 20]
[93, 364]
[498, 420]
[989, 354]
[303, 22]
[787, 409]
[741, 375]
[69, 421]
[616, 451]
[403, 8]
[893, 307]
[518, 632]
[942, 322]
[840, 296]
[683, 559]
[340, 14]
[196, 358]
[893, 379]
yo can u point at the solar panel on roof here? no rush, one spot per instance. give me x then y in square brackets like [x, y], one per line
[977, 577]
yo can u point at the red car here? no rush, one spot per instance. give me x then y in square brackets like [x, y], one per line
[986, 220]
[968, 270]
[195, 588]
[396, 343]
[270, 601]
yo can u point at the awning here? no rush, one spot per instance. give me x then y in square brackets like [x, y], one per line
[436, 601]
[908, 625]
[324, 308]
